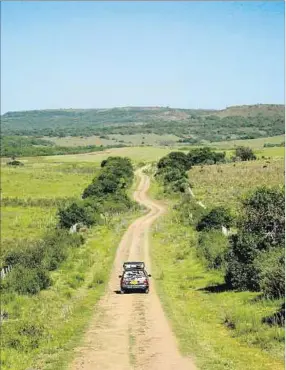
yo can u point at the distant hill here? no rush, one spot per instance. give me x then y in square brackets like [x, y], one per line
[191, 125]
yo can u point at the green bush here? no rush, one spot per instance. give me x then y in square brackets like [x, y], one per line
[212, 248]
[116, 174]
[245, 153]
[261, 230]
[271, 267]
[77, 212]
[205, 156]
[215, 219]
[174, 160]
[25, 280]
[173, 174]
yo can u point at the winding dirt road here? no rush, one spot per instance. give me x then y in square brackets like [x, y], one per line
[131, 331]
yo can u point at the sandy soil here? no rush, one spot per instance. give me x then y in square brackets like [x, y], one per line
[131, 331]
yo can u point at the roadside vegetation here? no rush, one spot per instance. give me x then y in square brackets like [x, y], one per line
[223, 291]
[57, 276]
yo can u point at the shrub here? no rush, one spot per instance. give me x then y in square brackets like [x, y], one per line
[25, 280]
[241, 273]
[271, 267]
[215, 219]
[245, 153]
[261, 230]
[174, 160]
[15, 163]
[116, 173]
[263, 213]
[77, 212]
[28, 254]
[179, 185]
[212, 248]
[174, 174]
[205, 155]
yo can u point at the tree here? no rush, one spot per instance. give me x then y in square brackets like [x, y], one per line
[215, 219]
[260, 230]
[245, 153]
[174, 160]
[204, 155]
[77, 213]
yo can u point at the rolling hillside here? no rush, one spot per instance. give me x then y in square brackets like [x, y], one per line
[189, 125]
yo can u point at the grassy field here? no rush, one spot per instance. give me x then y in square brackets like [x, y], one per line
[25, 222]
[137, 154]
[224, 184]
[30, 195]
[45, 180]
[253, 143]
[115, 139]
[202, 318]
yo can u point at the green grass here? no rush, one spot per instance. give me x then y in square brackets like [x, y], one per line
[253, 143]
[112, 139]
[64, 310]
[224, 184]
[38, 179]
[25, 222]
[137, 154]
[202, 320]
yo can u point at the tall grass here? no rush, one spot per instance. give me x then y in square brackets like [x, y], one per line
[223, 185]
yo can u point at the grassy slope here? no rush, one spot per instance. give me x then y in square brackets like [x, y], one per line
[224, 184]
[136, 139]
[137, 154]
[201, 319]
[254, 121]
[38, 179]
[253, 143]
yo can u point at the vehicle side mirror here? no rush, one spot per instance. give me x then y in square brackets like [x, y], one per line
[120, 276]
[149, 275]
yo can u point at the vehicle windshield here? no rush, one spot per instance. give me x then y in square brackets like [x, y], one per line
[134, 273]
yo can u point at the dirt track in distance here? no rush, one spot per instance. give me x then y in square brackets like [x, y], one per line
[130, 331]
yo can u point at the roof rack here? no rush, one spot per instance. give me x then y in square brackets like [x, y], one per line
[133, 266]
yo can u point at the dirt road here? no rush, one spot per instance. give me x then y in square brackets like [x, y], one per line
[131, 331]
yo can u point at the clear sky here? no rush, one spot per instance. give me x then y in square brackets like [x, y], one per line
[107, 54]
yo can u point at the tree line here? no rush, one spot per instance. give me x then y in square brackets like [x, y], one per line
[15, 146]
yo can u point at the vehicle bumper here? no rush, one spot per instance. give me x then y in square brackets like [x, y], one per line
[134, 287]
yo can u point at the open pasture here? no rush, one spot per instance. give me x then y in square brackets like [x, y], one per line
[115, 139]
[30, 195]
[224, 184]
[137, 154]
[253, 143]
[45, 180]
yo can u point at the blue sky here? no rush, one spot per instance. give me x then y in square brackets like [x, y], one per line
[180, 54]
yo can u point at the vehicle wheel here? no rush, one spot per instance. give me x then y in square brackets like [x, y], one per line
[122, 291]
[147, 290]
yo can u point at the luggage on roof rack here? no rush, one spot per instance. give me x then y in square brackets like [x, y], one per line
[133, 266]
